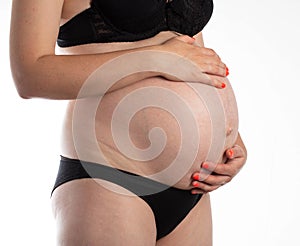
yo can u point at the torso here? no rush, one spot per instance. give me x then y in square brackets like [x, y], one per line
[146, 119]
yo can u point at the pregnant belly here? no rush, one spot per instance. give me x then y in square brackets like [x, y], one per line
[158, 128]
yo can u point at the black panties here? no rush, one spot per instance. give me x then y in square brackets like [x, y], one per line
[169, 205]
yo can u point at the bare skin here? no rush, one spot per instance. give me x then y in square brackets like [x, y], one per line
[81, 206]
[89, 214]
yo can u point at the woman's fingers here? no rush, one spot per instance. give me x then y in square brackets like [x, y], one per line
[203, 187]
[205, 58]
[215, 180]
[212, 175]
[211, 183]
[217, 81]
[235, 152]
[210, 62]
[197, 191]
[185, 38]
[235, 161]
[221, 168]
[214, 69]
[208, 183]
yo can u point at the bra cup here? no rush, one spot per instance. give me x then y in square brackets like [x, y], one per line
[132, 16]
[127, 9]
[188, 15]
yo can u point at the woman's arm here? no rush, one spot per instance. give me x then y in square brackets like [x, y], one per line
[38, 72]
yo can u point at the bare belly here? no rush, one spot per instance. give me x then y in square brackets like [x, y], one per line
[156, 128]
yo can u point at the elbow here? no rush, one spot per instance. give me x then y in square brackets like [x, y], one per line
[23, 87]
[24, 95]
[21, 81]
[24, 75]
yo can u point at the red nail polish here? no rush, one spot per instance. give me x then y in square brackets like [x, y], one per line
[227, 71]
[194, 192]
[195, 184]
[223, 85]
[196, 176]
[205, 165]
[230, 153]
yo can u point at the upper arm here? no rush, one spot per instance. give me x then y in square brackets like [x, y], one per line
[33, 32]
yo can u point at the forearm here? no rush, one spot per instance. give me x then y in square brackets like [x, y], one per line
[62, 76]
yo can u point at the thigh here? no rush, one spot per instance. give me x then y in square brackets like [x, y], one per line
[195, 229]
[89, 214]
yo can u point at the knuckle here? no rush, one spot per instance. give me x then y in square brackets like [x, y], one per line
[211, 51]
[205, 68]
[222, 65]
[228, 179]
[214, 188]
[221, 70]
[210, 68]
[211, 181]
[207, 51]
[238, 149]
[215, 69]
[206, 188]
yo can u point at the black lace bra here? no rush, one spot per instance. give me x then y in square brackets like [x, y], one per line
[133, 20]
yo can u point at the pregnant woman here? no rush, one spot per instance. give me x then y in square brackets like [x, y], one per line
[151, 125]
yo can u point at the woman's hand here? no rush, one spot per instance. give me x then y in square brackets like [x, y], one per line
[206, 59]
[212, 176]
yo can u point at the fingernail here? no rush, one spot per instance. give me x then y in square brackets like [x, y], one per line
[227, 71]
[223, 85]
[195, 184]
[231, 153]
[194, 192]
[193, 38]
[205, 165]
[196, 176]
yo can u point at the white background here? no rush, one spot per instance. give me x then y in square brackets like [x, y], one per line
[259, 41]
